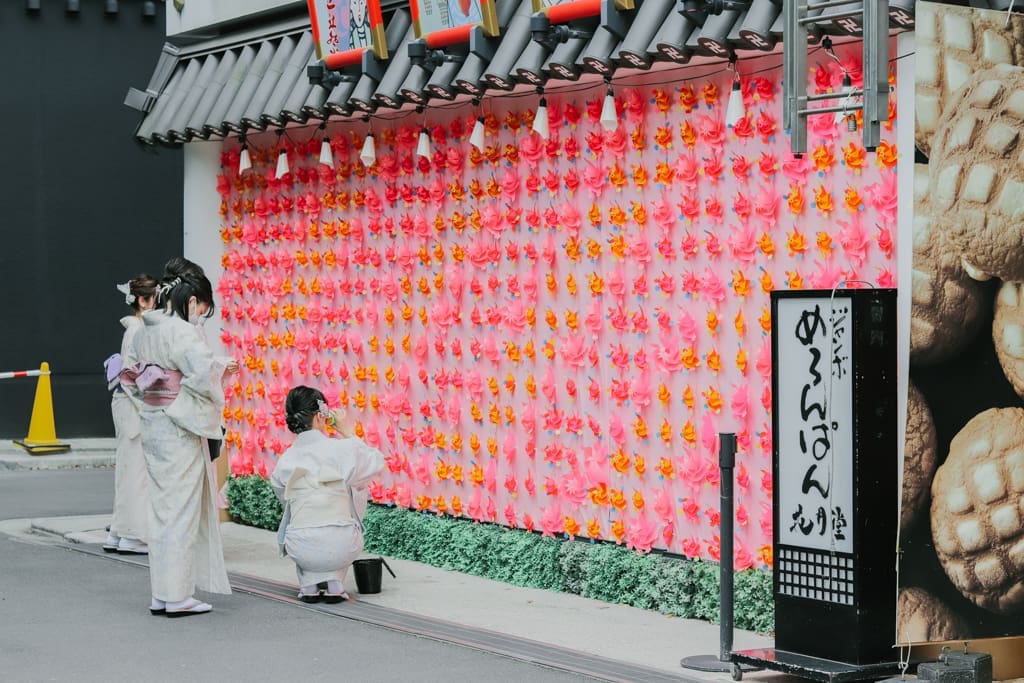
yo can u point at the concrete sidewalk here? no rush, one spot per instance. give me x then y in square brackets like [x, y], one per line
[583, 625]
[84, 453]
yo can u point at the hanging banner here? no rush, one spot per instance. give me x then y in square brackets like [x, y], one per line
[343, 25]
[962, 523]
[435, 20]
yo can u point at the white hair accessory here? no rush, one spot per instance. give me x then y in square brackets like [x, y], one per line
[166, 288]
[323, 408]
[126, 289]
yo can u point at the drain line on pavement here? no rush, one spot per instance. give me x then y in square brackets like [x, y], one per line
[501, 644]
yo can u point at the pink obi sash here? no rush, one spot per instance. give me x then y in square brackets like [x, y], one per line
[159, 387]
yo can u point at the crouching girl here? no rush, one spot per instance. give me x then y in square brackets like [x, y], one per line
[321, 481]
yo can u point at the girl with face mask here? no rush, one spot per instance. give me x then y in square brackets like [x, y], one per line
[178, 381]
[321, 480]
[130, 521]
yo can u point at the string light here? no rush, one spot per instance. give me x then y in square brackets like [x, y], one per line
[540, 122]
[368, 154]
[244, 160]
[734, 110]
[282, 158]
[326, 154]
[476, 138]
[423, 146]
[609, 117]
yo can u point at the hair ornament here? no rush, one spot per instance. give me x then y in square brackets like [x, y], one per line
[126, 289]
[166, 288]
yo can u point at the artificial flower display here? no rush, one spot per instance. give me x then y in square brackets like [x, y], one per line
[549, 334]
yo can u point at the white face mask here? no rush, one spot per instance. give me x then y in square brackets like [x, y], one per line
[193, 313]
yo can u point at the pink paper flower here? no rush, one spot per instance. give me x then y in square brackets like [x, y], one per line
[688, 171]
[616, 142]
[712, 132]
[641, 534]
[551, 522]
[594, 179]
[855, 240]
[691, 547]
[693, 472]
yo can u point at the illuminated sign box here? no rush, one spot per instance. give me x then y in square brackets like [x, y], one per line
[836, 468]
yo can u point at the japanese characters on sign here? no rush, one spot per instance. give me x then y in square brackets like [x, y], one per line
[341, 25]
[815, 422]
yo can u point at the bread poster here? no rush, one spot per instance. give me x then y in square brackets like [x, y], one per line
[962, 515]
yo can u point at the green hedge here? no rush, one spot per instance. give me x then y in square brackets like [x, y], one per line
[603, 571]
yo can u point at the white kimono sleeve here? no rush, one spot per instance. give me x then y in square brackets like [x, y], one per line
[367, 461]
[201, 399]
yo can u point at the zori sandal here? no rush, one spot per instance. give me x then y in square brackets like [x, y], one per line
[312, 594]
[334, 592]
[187, 608]
[111, 543]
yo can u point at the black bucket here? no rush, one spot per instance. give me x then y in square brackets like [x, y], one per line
[369, 573]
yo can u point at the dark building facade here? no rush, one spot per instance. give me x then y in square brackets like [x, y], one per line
[84, 206]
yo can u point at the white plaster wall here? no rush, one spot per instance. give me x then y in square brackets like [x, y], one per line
[905, 74]
[195, 14]
[202, 243]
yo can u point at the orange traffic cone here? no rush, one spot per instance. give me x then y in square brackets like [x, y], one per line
[42, 432]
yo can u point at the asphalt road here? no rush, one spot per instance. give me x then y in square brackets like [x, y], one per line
[69, 616]
[55, 493]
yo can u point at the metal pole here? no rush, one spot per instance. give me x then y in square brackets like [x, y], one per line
[726, 463]
[723, 662]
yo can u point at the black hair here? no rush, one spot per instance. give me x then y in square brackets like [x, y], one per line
[300, 407]
[183, 280]
[141, 286]
[179, 265]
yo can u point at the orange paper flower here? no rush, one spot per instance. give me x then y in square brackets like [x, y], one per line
[688, 397]
[886, 155]
[687, 98]
[665, 468]
[639, 465]
[713, 399]
[572, 527]
[689, 434]
[796, 242]
[620, 462]
[823, 199]
[795, 200]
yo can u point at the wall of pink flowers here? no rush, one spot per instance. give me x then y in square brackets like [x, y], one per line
[549, 334]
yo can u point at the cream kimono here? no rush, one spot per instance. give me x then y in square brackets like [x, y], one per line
[321, 482]
[131, 483]
[180, 388]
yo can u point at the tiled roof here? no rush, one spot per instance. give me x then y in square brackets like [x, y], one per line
[212, 90]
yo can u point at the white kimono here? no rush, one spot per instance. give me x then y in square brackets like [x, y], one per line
[185, 550]
[131, 483]
[321, 482]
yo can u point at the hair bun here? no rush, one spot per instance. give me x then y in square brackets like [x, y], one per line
[295, 423]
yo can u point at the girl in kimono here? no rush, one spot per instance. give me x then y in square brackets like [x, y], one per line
[179, 384]
[322, 483]
[130, 521]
